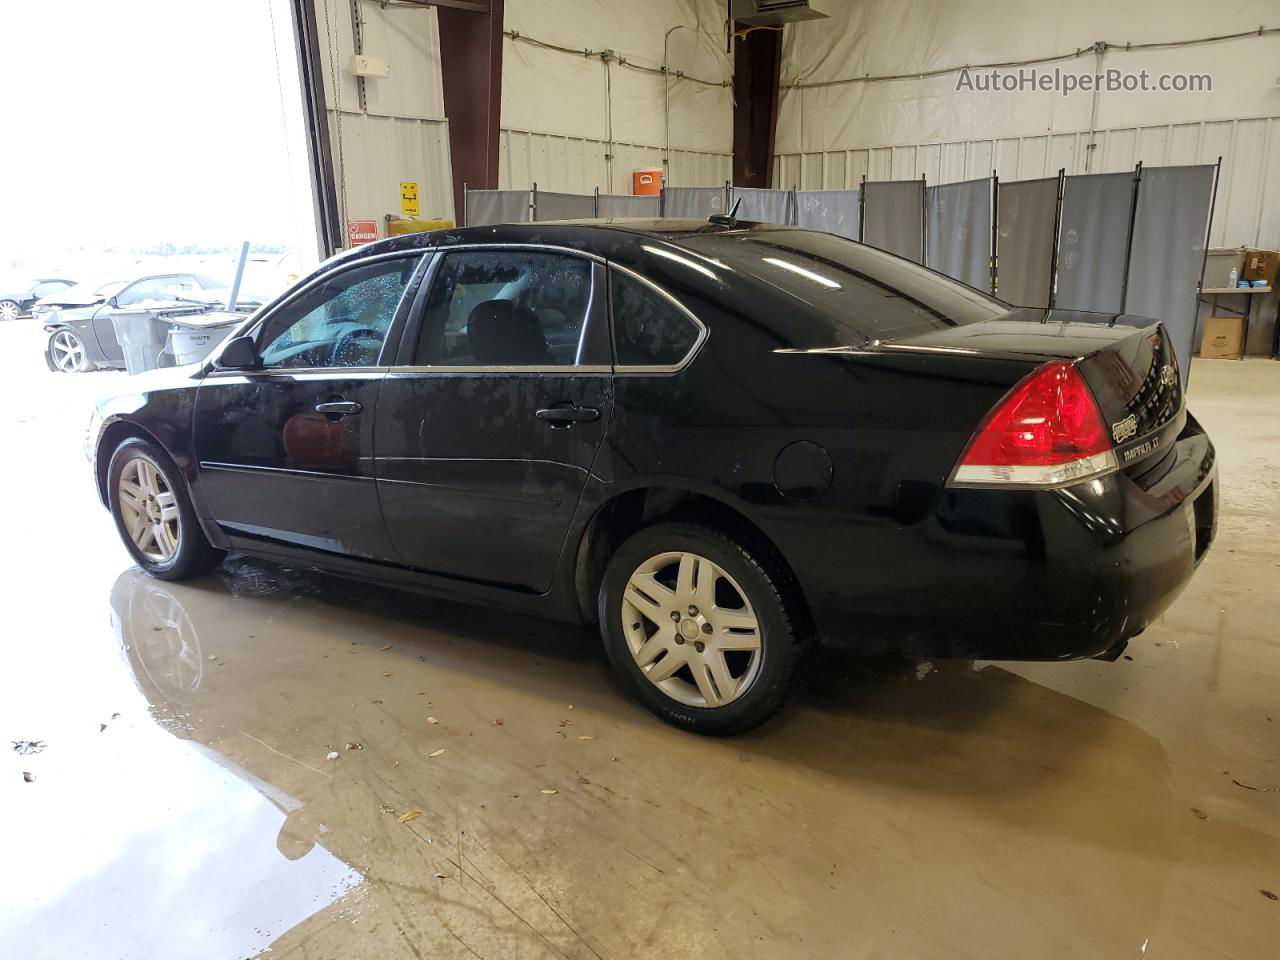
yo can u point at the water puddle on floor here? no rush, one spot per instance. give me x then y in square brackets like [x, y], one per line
[308, 761]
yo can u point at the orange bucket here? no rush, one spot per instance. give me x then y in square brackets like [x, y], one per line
[647, 182]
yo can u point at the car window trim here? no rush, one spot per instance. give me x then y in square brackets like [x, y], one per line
[639, 369]
[305, 373]
[413, 328]
[255, 325]
[564, 369]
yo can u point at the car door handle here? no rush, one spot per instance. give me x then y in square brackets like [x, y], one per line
[568, 414]
[339, 408]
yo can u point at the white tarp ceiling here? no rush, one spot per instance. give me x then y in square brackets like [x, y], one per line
[895, 38]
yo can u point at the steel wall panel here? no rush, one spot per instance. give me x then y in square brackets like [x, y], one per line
[578, 164]
[376, 153]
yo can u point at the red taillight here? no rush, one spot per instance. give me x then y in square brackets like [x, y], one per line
[1046, 432]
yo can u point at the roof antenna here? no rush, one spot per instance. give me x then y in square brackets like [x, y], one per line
[729, 219]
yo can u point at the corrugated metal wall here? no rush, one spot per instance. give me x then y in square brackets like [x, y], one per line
[377, 152]
[578, 164]
[1248, 206]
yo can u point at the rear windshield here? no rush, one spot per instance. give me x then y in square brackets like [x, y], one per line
[867, 294]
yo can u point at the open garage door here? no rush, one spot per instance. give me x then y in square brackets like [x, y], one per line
[373, 102]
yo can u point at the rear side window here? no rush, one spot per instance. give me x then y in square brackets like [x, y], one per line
[505, 308]
[648, 329]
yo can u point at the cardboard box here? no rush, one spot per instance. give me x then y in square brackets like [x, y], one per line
[1261, 265]
[1223, 338]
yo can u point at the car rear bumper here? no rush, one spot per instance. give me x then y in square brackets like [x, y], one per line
[1043, 575]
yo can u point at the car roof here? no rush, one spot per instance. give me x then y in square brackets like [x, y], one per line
[602, 237]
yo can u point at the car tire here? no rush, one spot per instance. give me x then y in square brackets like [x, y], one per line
[10, 310]
[153, 513]
[655, 603]
[68, 353]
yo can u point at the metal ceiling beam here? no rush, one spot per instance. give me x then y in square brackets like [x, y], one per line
[475, 6]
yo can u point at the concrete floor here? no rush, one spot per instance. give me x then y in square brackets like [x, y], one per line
[183, 805]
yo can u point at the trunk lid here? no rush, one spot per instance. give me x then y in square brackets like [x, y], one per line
[1127, 362]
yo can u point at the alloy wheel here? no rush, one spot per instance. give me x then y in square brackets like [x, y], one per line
[67, 351]
[691, 629]
[149, 510]
[9, 310]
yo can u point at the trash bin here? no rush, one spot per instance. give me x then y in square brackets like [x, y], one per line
[192, 338]
[142, 337]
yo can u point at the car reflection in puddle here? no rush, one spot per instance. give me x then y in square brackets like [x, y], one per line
[251, 894]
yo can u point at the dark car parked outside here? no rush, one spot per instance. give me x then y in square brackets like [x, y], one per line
[17, 300]
[721, 443]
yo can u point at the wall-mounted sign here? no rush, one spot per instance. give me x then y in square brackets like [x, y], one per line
[361, 231]
[408, 198]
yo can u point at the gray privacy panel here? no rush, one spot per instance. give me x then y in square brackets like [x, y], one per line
[893, 217]
[1027, 213]
[831, 211]
[695, 202]
[958, 221]
[1092, 240]
[764, 206]
[563, 206]
[497, 206]
[1167, 254]
[625, 205]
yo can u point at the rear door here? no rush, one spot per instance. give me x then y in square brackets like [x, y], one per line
[488, 427]
[286, 452]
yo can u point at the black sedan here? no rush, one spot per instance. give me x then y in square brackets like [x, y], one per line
[82, 334]
[17, 299]
[721, 443]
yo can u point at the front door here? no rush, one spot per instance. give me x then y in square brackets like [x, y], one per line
[488, 431]
[286, 452]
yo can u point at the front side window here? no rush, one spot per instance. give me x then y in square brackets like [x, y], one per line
[150, 290]
[505, 308]
[648, 329]
[341, 322]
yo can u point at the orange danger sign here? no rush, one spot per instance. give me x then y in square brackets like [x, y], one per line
[361, 231]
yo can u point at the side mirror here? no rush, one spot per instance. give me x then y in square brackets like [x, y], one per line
[113, 302]
[240, 353]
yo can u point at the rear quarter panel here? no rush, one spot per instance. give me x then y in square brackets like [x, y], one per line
[892, 422]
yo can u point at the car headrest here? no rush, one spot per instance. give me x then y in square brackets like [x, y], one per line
[499, 332]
